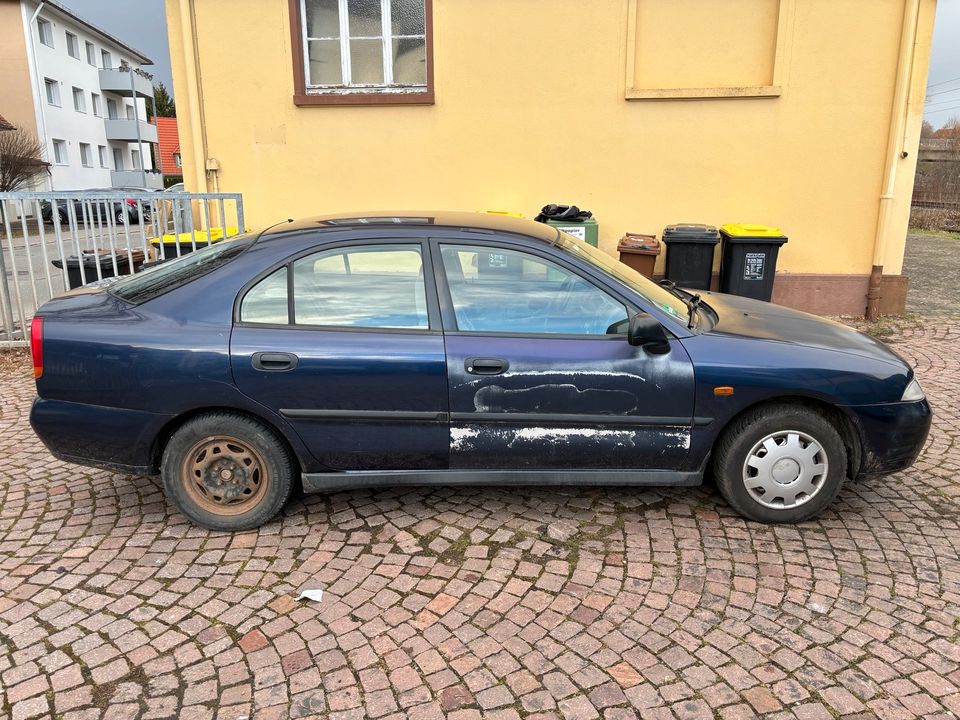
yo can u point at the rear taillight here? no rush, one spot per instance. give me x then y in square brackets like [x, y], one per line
[36, 345]
[131, 202]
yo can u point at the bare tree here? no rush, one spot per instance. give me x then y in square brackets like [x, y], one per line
[21, 159]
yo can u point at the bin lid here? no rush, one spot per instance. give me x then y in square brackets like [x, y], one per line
[639, 243]
[691, 232]
[754, 232]
[567, 223]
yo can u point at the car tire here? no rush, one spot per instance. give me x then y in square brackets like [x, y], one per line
[226, 471]
[780, 464]
[62, 216]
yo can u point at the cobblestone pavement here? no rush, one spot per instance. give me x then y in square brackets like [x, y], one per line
[493, 603]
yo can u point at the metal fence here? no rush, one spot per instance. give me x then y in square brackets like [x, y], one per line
[54, 241]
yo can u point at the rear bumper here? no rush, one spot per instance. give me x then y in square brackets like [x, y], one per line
[112, 438]
[892, 434]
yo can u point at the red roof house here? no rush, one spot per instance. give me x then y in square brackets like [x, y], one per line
[169, 146]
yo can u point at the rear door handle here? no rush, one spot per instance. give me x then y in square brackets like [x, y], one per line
[486, 366]
[274, 361]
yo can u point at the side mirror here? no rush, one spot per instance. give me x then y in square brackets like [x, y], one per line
[646, 331]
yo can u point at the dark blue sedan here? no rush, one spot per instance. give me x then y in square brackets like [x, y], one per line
[452, 348]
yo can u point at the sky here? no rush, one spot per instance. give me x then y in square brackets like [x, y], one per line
[146, 30]
[141, 24]
[943, 84]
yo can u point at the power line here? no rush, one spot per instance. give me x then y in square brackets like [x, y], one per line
[943, 82]
[943, 92]
[941, 102]
[940, 110]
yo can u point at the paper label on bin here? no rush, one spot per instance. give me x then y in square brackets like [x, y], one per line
[753, 266]
[578, 231]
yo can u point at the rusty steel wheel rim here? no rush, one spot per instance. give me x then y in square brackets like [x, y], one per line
[224, 475]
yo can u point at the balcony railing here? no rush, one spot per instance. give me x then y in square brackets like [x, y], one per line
[128, 84]
[127, 130]
[135, 178]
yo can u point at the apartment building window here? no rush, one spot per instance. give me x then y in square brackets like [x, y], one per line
[53, 91]
[112, 109]
[362, 52]
[129, 111]
[79, 101]
[117, 159]
[91, 54]
[86, 159]
[135, 156]
[178, 160]
[45, 28]
[102, 151]
[106, 62]
[96, 105]
[73, 45]
[60, 152]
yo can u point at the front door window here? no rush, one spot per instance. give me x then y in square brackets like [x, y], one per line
[507, 291]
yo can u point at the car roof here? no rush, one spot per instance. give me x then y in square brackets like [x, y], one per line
[491, 222]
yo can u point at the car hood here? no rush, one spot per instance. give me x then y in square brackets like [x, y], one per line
[748, 318]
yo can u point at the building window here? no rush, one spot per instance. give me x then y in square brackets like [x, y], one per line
[362, 52]
[95, 104]
[117, 159]
[135, 156]
[129, 111]
[86, 159]
[79, 101]
[60, 152]
[102, 151]
[91, 54]
[73, 45]
[53, 91]
[106, 62]
[45, 28]
[177, 160]
[112, 109]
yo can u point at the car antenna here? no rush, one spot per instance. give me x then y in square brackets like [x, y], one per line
[269, 227]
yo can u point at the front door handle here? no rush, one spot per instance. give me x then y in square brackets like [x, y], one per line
[486, 366]
[274, 361]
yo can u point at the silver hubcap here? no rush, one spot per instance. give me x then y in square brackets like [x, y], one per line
[785, 469]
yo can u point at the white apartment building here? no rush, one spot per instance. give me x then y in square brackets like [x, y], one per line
[82, 92]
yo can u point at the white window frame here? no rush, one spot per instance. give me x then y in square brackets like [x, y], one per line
[45, 31]
[95, 105]
[86, 156]
[135, 159]
[72, 46]
[177, 160]
[60, 156]
[102, 153]
[386, 52]
[106, 60]
[79, 100]
[52, 90]
[91, 51]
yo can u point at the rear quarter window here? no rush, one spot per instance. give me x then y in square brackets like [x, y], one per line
[163, 278]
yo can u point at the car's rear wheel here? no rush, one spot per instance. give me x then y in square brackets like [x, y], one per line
[226, 471]
[780, 464]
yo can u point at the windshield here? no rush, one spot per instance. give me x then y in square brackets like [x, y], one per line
[661, 297]
[165, 277]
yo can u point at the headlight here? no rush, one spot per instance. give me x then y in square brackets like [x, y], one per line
[913, 392]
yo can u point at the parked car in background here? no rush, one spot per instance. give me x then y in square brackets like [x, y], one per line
[98, 210]
[451, 348]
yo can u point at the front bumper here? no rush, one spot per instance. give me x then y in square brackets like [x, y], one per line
[892, 434]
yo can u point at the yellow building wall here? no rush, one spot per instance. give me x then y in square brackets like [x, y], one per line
[16, 98]
[531, 109]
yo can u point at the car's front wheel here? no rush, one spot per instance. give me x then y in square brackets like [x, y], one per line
[780, 464]
[226, 471]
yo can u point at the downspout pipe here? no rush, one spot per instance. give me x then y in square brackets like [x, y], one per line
[895, 152]
[39, 82]
[188, 36]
